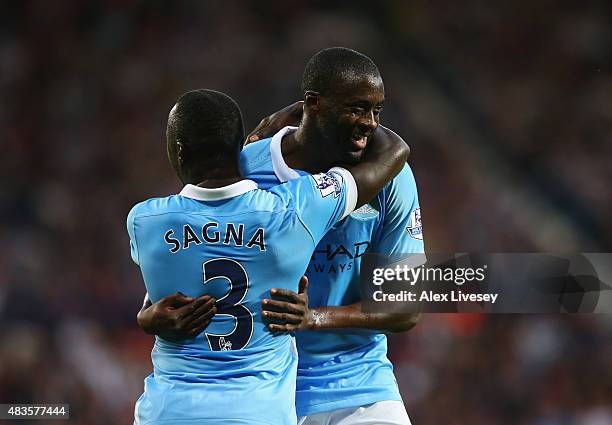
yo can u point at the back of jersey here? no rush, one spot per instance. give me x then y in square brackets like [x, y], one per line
[235, 244]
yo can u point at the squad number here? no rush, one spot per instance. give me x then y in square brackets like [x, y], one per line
[230, 304]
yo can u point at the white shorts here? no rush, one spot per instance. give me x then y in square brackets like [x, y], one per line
[389, 412]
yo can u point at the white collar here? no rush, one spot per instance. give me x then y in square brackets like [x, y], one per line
[219, 193]
[281, 169]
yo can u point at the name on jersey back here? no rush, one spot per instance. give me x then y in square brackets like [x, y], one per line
[213, 233]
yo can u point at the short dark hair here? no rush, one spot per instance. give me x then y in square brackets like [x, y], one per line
[207, 122]
[335, 64]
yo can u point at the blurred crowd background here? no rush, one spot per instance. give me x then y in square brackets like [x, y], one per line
[507, 107]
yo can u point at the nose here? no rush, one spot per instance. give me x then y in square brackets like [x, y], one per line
[368, 122]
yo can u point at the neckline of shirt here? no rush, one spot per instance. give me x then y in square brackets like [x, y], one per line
[218, 193]
[283, 172]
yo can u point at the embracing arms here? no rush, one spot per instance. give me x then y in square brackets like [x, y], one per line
[180, 317]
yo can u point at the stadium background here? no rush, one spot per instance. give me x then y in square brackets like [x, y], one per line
[507, 108]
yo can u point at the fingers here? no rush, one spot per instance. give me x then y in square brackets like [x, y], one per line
[195, 320]
[199, 329]
[282, 307]
[277, 329]
[208, 309]
[286, 294]
[200, 323]
[189, 308]
[258, 131]
[196, 309]
[282, 318]
[303, 286]
[181, 298]
[176, 300]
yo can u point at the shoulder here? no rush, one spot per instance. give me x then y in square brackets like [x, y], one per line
[151, 206]
[255, 155]
[301, 191]
[309, 188]
[281, 195]
[406, 176]
[400, 195]
[403, 183]
[276, 200]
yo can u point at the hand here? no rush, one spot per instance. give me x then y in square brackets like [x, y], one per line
[290, 115]
[288, 311]
[177, 316]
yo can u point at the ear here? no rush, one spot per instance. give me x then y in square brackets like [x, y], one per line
[311, 100]
[180, 152]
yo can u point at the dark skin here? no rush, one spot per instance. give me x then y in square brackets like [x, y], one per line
[178, 317]
[342, 125]
[289, 311]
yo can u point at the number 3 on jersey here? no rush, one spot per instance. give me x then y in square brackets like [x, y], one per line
[229, 305]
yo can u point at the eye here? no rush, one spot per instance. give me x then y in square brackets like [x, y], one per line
[357, 110]
[378, 110]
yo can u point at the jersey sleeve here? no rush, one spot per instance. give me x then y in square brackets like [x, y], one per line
[402, 231]
[321, 200]
[132, 233]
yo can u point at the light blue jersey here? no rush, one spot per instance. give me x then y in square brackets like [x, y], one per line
[234, 243]
[342, 370]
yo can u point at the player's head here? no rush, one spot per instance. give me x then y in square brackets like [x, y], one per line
[204, 135]
[343, 96]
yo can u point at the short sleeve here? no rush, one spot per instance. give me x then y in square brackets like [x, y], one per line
[321, 200]
[132, 233]
[402, 230]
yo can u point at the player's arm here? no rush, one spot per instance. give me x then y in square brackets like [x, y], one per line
[288, 311]
[382, 160]
[349, 317]
[177, 316]
[321, 200]
[352, 317]
[401, 234]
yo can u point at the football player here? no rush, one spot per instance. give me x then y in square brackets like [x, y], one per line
[344, 375]
[223, 237]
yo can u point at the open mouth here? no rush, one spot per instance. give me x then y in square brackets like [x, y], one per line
[359, 142]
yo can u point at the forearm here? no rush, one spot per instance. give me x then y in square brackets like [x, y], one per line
[143, 318]
[383, 159]
[351, 317]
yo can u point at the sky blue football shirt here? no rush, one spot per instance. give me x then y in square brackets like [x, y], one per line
[234, 243]
[342, 370]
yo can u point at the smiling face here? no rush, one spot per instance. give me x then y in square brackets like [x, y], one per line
[350, 114]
